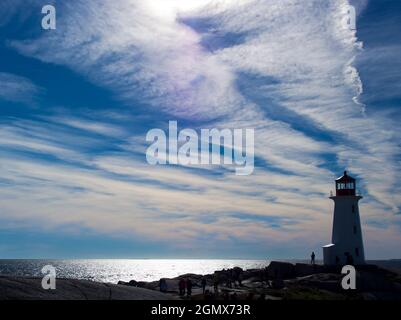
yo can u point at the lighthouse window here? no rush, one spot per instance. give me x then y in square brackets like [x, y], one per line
[357, 252]
[355, 230]
[353, 209]
[341, 186]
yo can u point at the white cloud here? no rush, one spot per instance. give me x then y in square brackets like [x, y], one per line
[159, 58]
[17, 89]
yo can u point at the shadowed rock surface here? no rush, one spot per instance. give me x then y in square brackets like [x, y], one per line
[68, 289]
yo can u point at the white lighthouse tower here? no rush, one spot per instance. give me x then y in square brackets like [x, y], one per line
[346, 244]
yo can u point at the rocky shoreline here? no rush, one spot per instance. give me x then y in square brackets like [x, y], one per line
[285, 281]
[278, 281]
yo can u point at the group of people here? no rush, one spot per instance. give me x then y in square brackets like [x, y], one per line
[228, 277]
[185, 286]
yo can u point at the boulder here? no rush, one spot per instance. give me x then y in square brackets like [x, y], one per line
[322, 281]
[303, 269]
[154, 285]
[280, 270]
[374, 281]
[133, 283]
[277, 284]
[192, 276]
[254, 273]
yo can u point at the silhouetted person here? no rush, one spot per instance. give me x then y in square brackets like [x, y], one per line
[312, 258]
[181, 287]
[163, 285]
[237, 273]
[203, 283]
[189, 287]
[228, 280]
[216, 283]
[240, 279]
[231, 274]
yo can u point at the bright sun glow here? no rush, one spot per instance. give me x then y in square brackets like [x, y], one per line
[169, 8]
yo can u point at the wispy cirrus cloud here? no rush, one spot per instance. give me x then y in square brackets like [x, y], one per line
[17, 89]
[153, 58]
[286, 68]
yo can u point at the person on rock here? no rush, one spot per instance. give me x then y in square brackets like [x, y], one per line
[181, 287]
[203, 283]
[189, 287]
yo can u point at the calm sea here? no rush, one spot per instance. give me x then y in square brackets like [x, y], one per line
[113, 270]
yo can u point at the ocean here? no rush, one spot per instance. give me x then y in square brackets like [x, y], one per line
[114, 270]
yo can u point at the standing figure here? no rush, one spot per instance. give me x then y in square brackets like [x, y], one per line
[181, 287]
[312, 258]
[203, 282]
[163, 285]
[216, 283]
[189, 287]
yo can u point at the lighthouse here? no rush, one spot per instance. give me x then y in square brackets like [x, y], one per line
[346, 245]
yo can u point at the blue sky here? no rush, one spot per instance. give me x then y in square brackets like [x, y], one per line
[76, 104]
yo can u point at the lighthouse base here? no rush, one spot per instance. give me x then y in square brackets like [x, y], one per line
[336, 255]
[329, 255]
